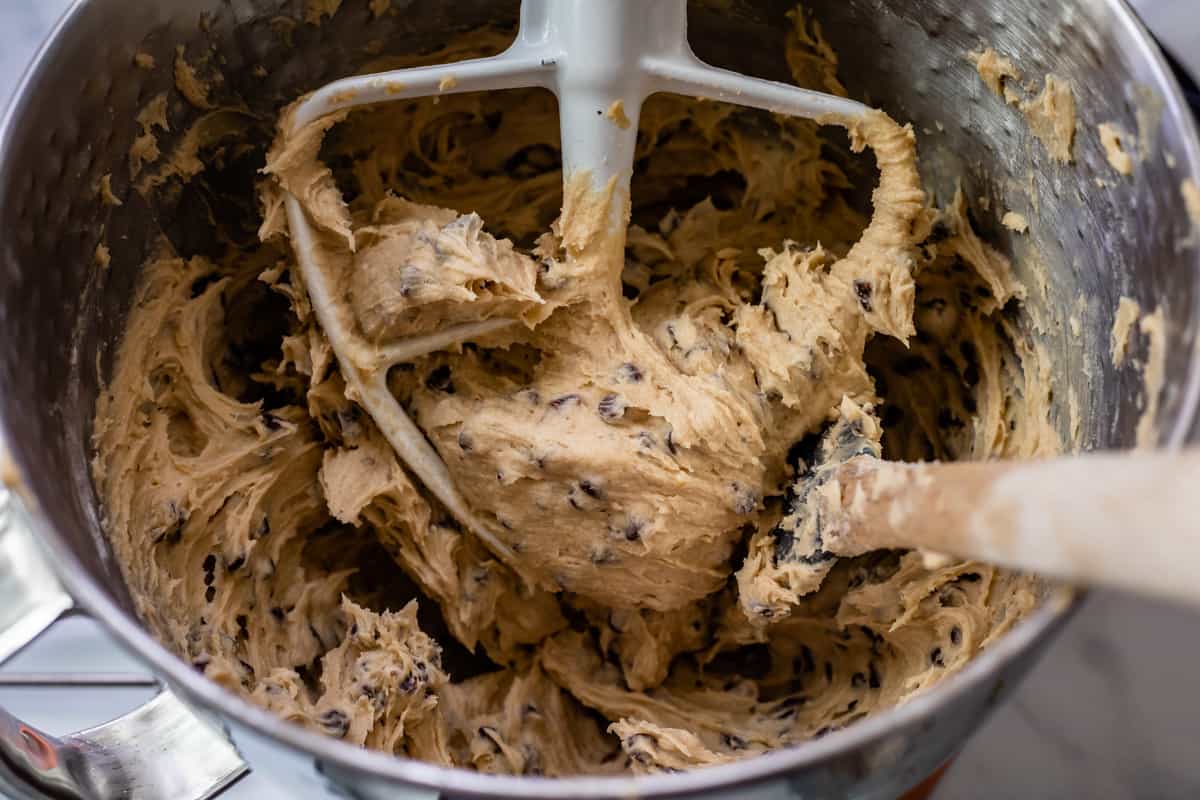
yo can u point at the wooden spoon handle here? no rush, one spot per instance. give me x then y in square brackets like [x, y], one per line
[1125, 520]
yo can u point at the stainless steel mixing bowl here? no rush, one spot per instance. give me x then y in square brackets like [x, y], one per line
[73, 121]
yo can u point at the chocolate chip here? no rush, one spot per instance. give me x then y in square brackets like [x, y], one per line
[785, 543]
[349, 420]
[172, 533]
[671, 443]
[439, 380]
[935, 657]
[956, 635]
[210, 563]
[409, 684]
[874, 680]
[201, 284]
[335, 723]
[560, 403]
[733, 742]
[591, 489]
[600, 557]
[236, 564]
[629, 373]
[465, 443]
[938, 233]
[633, 530]
[277, 613]
[611, 407]
[863, 290]
[209, 594]
[858, 680]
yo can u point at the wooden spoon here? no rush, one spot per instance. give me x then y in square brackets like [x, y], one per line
[1125, 520]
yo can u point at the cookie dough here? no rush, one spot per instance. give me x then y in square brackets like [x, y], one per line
[643, 435]
[1050, 113]
[1117, 144]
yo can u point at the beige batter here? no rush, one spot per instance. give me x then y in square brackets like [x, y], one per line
[643, 438]
[1050, 112]
[1118, 145]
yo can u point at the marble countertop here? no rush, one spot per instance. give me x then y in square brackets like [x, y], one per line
[1111, 711]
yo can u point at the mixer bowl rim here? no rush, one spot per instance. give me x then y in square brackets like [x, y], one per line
[195, 688]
